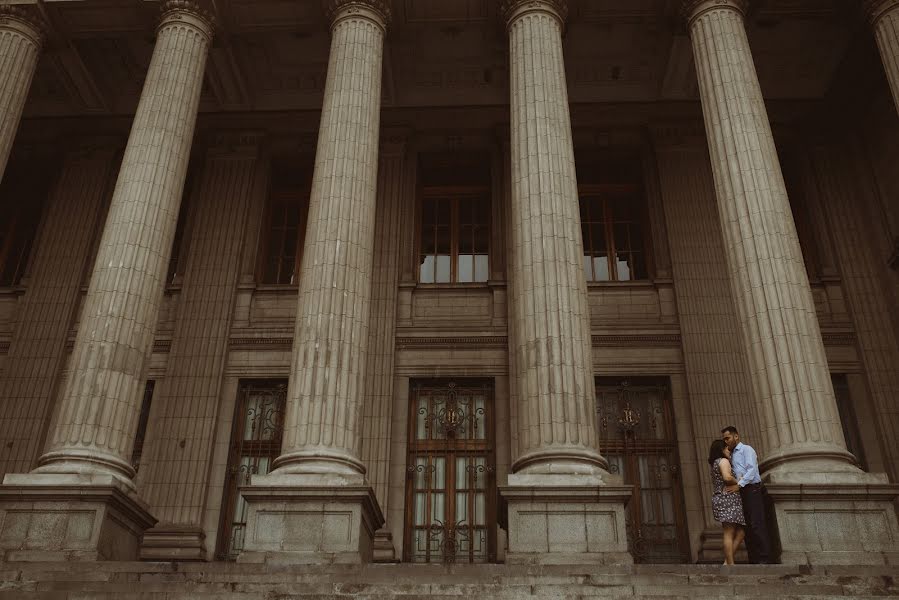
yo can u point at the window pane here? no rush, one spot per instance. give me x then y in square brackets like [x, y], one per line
[623, 270]
[465, 271]
[443, 269]
[588, 267]
[466, 240]
[481, 268]
[426, 269]
[601, 268]
[482, 239]
[427, 240]
[443, 240]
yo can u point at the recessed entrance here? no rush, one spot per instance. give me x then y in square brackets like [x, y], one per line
[450, 472]
[635, 423]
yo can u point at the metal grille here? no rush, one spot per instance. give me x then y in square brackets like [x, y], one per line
[451, 487]
[636, 436]
[255, 444]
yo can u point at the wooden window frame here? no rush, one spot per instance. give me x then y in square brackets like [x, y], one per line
[302, 195]
[453, 194]
[602, 191]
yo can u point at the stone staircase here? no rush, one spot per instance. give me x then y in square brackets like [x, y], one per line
[230, 581]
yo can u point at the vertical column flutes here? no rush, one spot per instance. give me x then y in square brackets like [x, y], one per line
[785, 351]
[321, 427]
[552, 354]
[884, 18]
[20, 46]
[95, 426]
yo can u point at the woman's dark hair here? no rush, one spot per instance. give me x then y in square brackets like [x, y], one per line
[716, 451]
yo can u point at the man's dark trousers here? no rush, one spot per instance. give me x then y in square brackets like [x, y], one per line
[757, 544]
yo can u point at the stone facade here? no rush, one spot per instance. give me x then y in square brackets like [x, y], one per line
[688, 222]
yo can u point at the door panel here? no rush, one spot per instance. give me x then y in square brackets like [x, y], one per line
[636, 435]
[450, 484]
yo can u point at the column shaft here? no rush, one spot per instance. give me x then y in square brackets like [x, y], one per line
[884, 17]
[95, 427]
[785, 351]
[20, 46]
[550, 318]
[37, 351]
[321, 428]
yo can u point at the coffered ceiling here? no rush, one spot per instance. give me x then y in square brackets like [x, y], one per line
[272, 54]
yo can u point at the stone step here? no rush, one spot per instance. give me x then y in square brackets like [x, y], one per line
[231, 581]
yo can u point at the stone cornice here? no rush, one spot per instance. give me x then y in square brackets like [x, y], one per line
[187, 12]
[515, 9]
[693, 9]
[876, 9]
[377, 11]
[25, 21]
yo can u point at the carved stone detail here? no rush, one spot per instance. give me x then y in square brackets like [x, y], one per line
[189, 12]
[514, 9]
[693, 9]
[876, 9]
[375, 10]
[25, 21]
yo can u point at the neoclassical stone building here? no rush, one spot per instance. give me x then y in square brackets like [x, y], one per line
[421, 280]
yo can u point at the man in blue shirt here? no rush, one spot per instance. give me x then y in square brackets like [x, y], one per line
[746, 469]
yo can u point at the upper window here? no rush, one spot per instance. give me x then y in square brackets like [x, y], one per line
[454, 243]
[21, 200]
[612, 225]
[282, 241]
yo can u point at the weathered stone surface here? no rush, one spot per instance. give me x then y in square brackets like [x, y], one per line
[229, 581]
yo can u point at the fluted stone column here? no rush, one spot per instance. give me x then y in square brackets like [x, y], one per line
[556, 435]
[884, 18]
[20, 45]
[805, 454]
[90, 441]
[320, 464]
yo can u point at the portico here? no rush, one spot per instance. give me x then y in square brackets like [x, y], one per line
[329, 219]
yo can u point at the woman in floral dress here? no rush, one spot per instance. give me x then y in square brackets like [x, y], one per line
[727, 507]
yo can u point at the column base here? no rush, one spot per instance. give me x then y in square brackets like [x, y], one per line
[171, 542]
[835, 518]
[62, 517]
[566, 519]
[310, 519]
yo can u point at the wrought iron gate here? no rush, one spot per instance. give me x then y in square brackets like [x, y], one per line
[255, 444]
[450, 483]
[637, 437]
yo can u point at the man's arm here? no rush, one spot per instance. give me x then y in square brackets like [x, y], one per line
[750, 465]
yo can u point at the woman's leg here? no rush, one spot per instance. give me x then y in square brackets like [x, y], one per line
[739, 536]
[728, 539]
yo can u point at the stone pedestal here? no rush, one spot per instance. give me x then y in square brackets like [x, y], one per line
[70, 518]
[310, 519]
[835, 518]
[566, 519]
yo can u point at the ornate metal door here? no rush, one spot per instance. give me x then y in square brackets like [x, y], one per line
[255, 444]
[636, 435]
[450, 483]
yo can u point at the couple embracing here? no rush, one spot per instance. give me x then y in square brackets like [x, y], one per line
[737, 501]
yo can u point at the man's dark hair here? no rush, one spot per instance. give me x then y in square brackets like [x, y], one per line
[716, 451]
[730, 429]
